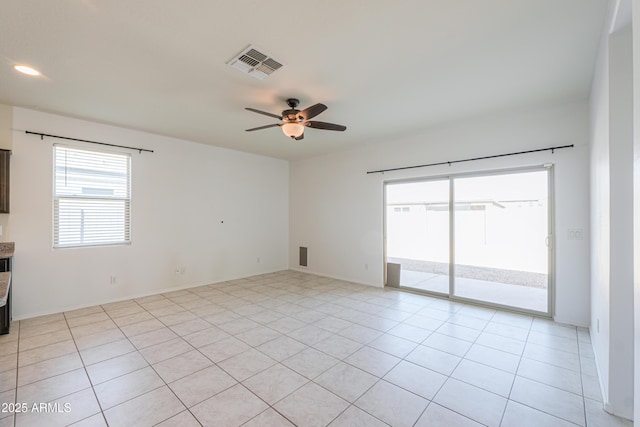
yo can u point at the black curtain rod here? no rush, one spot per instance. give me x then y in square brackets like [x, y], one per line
[42, 135]
[552, 149]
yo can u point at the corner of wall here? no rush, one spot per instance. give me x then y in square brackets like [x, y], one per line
[612, 214]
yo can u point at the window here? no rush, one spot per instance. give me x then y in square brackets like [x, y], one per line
[91, 197]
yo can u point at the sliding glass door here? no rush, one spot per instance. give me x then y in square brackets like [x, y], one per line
[417, 225]
[474, 237]
[501, 235]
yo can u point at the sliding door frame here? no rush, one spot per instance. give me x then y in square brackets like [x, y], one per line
[551, 282]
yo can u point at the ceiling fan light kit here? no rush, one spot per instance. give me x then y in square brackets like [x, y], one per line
[294, 121]
[292, 130]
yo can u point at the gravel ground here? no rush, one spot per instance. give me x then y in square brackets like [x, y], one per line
[513, 277]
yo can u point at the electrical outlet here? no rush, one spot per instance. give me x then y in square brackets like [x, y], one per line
[113, 280]
[177, 271]
[183, 270]
[258, 260]
[366, 266]
[574, 234]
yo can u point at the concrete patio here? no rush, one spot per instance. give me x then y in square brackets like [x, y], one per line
[482, 290]
[523, 292]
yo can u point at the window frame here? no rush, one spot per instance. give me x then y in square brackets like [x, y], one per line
[55, 234]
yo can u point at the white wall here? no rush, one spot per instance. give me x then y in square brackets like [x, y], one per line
[181, 194]
[621, 211]
[336, 209]
[636, 199]
[600, 215]
[612, 215]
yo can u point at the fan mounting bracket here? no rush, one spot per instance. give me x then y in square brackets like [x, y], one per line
[292, 103]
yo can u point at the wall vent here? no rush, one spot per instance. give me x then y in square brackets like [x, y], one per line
[303, 256]
[255, 63]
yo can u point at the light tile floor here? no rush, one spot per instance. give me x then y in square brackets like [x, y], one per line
[290, 348]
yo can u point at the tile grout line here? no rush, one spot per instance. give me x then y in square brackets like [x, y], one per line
[137, 350]
[456, 367]
[150, 365]
[584, 401]
[551, 386]
[86, 372]
[167, 326]
[102, 410]
[309, 379]
[516, 373]
[295, 301]
[214, 364]
[15, 396]
[382, 378]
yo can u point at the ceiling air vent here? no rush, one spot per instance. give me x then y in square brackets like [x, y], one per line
[255, 63]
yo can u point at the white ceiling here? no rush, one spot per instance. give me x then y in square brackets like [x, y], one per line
[382, 67]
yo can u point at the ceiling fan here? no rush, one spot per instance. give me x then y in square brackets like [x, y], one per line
[294, 121]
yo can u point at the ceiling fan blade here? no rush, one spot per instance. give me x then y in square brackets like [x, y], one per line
[300, 137]
[311, 112]
[263, 127]
[325, 126]
[275, 116]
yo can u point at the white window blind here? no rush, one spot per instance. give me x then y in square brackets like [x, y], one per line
[91, 197]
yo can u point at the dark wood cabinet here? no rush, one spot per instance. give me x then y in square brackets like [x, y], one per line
[5, 158]
[5, 310]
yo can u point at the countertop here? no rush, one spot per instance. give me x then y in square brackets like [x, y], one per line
[5, 284]
[6, 249]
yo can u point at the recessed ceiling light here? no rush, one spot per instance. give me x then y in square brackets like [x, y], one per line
[24, 69]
